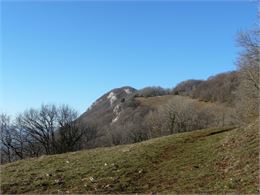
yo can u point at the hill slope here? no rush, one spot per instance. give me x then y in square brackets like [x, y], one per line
[103, 111]
[121, 116]
[210, 161]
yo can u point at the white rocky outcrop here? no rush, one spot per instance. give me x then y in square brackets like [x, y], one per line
[112, 97]
[116, 112]
[128, 91]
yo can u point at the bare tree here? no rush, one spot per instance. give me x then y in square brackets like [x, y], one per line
[248, 65]
[40, 125]
[154, 123]
[177, 114]
[15, 142]
[72, 135]
[47, 130]
[183, 114]
[6, 138]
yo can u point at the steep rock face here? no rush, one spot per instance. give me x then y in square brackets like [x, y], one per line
[108, 109]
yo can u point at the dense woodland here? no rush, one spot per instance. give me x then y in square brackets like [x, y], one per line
[225, 99]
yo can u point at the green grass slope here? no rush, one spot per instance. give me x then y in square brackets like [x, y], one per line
[205, 161]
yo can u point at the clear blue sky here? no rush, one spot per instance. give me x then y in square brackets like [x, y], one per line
[74, 52]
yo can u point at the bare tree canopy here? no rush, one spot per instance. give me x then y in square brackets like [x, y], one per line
[47, 130]
[248, 65]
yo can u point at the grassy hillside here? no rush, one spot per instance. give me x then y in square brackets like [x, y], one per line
[209, 161]
[157, 101]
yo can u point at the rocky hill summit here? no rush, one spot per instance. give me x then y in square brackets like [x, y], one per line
[107, 109]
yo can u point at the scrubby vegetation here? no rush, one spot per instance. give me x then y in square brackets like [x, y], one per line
[220, 88]
[152, 91]
[181, 114]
